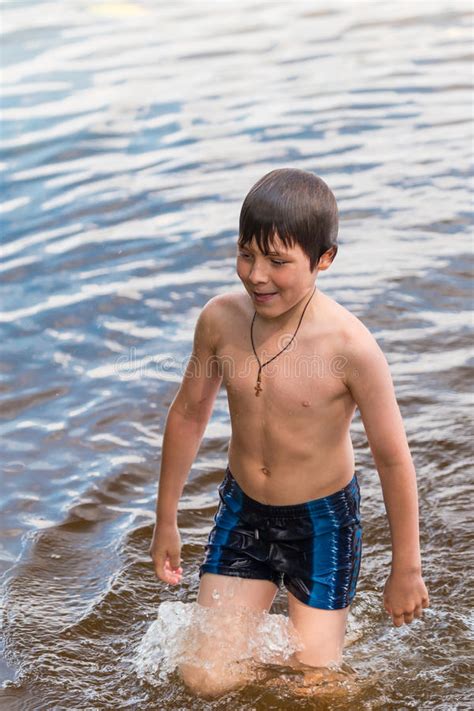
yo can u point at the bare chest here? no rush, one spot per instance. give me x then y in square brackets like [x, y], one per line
[302, 381]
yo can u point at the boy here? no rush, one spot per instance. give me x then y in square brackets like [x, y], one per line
[295, 365]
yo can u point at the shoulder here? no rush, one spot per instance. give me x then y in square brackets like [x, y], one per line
[220, 313]
[218, 309]
[353, 340]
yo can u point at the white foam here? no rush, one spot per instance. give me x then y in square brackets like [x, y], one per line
[176, 636]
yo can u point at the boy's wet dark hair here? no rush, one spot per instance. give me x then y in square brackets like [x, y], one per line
[295, 204]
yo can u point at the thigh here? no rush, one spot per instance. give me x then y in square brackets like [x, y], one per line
[229, 590]
[320, 631]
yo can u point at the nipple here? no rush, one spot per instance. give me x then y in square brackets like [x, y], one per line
[306, 403]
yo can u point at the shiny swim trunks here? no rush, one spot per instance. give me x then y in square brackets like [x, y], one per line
[313, 549]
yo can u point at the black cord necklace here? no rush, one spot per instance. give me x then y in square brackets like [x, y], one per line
[258, 386]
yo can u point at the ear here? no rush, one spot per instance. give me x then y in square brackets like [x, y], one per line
[327, 258]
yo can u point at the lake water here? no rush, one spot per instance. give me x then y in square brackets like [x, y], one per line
[131, 133]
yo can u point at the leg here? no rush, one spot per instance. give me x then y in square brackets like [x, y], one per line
[216, 590]
[321, 588]
[321, 632]
[222, 660]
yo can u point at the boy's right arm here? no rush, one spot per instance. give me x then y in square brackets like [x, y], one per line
[186, 422]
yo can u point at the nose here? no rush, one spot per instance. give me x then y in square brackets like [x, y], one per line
[258, 273]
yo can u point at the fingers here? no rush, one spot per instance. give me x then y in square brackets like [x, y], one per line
[404, 604]
[159, 564]
[401, 617]
[398, 619]
[417, 612]
[172, 575]
[175, 561]
[165, 571]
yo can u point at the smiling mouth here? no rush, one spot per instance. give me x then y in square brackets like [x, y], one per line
[263, 297]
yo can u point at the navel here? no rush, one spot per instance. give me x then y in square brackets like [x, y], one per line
[266, 471]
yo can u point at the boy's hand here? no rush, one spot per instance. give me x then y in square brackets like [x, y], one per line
[165, 551]
[404, 596]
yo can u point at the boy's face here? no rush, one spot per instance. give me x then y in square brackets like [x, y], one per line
[277, 281]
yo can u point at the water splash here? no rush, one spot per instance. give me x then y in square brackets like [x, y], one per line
[177, 635]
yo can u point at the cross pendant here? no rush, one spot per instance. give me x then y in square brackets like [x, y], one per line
[258, 389]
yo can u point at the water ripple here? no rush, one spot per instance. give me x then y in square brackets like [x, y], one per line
[131, 132]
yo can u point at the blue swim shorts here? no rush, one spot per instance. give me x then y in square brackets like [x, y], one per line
[313, 549]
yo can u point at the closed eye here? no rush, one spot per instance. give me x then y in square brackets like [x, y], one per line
[276, 262]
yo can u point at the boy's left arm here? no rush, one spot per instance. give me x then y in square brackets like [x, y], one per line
[367, 375]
